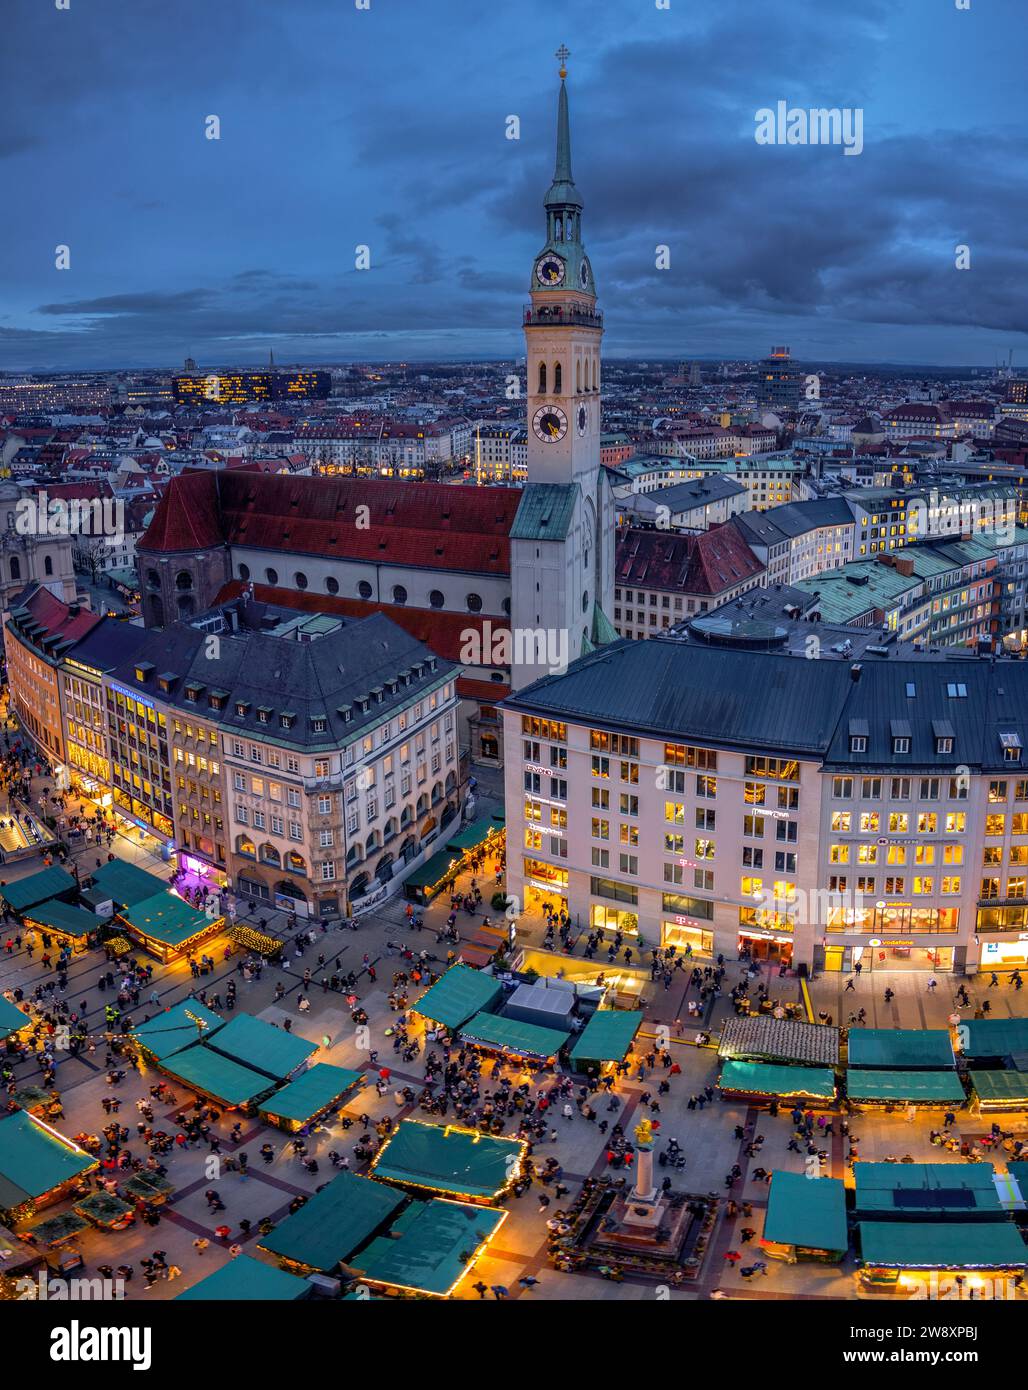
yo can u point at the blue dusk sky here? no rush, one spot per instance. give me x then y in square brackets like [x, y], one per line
[386, 127]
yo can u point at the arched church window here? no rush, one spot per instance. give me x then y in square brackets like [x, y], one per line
[399, 594]
[48, 565]
[300, 579]
[542, 378]
[183, 580]
[558, 228]
[436, 598]
[364, 589]
[271, 576]
[557, 386]
[585, 601]
[244, 572]
[474, 602]
[332, 584]
[578, 376]
[15, 567]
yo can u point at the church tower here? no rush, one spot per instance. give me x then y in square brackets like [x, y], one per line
[562, 556]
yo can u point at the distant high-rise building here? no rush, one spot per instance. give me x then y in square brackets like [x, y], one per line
[236, 388]
[780, 382]
[1017, 392]
[695, 375]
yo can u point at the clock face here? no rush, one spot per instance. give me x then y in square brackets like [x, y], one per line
[550, 423]
[581, 419]
[583, 273]
[549, 270]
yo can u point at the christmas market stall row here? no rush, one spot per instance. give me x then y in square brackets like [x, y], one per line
[902, 1221]
[417, 1225]
[439, 872]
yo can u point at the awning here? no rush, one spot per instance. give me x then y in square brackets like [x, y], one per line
[34, 1159]
[473, 835]
[507, 1034]
[217, 1076]
[428, 1246]
[181, 1026]
[764, 1079]
[432, 870]
[12, 1020]
[915, 1190]
[942, 1245]
[917, 1087]
[62, 917]
[261, 1046]
[994, 1037]
[1001, 1086]
[166, 918]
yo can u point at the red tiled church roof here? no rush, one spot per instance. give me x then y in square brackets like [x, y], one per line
[431, 525]
[707, 562]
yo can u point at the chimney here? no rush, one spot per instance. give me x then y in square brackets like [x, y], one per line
[855, 671]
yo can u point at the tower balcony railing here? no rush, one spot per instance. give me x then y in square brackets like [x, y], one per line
[548, 316]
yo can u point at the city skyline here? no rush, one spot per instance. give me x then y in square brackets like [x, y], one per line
[226, 249]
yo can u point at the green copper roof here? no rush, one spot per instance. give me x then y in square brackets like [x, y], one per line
[562, 191]
[808, 1212]
[545, 512]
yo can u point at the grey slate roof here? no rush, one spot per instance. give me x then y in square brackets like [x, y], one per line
[309, 679]
[783, 704]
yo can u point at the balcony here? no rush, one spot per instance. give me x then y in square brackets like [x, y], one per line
[560, 314]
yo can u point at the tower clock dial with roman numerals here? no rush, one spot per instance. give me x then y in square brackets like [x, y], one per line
[550, 423]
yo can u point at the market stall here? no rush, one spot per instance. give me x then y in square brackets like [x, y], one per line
[898, 1254]
[26, 893]
[166, 926]
[457, 996]
[430, 1248]
[769, 1039]
[12, 1020]
[261, 1046]
[218, 1078]
[927, 1191]
[510, 1038]
[901, 1049]
[245, 1279]
[313, 1094]
[761, 1083]
[63, 922]
[124, 884]
[335, 1222]
[870, 1089]
[606, 1039]
[174, 1029]
[998, 1091]
[993, 1041]
[805, 1219]
[37, 1165]
[429, 879]
[106, 1210]
[447, 1158]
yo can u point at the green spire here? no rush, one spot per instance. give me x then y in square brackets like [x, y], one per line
[562, 168]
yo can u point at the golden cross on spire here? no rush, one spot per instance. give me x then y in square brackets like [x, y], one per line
[563, 53]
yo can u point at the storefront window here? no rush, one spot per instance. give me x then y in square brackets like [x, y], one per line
[680, 933]
[613, 919]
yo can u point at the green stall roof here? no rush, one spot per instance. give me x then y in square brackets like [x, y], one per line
[763, 1079]
[126, 883]
[11, 1018]
[336, 1221]
[250, 1279]
[994, 1037]
[313, 1091]
[75, 921]
[1001, 1086]
[446, 1159]
[207, 1071]
[165, 917]
[458, 995]
[262, 1046]
[926, 1087]
[524, 1039]
[912, 1190]
[810, 1212]
[607, 1036]
[425, 1247]
[900, 1048]
[474, 834]
[942, 1245]
[176, 1028]
[1019, 1171]
[432, 870]
[37, 888]
[33, 1161]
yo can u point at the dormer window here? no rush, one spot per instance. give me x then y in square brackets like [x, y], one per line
[242, 708]
[318, 725]
[286, 719]
[263, 714]
[858, 743]
[901, 745]
[1011, 744]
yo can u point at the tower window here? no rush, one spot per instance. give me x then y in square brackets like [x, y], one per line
[557, 387]
[542, 378]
